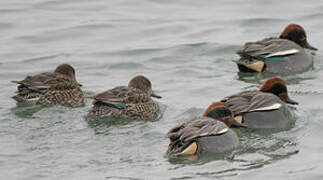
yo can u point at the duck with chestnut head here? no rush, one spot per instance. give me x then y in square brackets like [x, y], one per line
[279, 55]
[264, 108]
[209, 133]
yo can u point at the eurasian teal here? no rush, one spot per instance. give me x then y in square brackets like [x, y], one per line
[208, 133]
[129, 102]
[262, 109]
[50, 88]
[283, 55]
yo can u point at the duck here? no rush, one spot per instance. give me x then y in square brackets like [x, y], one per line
[209, 133]
[263, 109]
[126, 102]
[51, 88]
[277, 55]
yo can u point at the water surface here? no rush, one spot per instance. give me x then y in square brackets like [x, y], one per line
[186, 48]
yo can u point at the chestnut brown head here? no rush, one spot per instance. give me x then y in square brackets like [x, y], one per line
[296, 33]
[278, 87]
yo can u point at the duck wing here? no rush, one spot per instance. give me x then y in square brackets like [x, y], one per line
[249, 101]
[254, 55]
[120, 96]
[184, 134]
[45, 81]
[196, 127]
[270, 47]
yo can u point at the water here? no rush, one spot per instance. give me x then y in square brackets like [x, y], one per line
[186, 48]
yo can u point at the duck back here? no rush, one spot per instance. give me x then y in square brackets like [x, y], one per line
[248, 104]
[280, 56]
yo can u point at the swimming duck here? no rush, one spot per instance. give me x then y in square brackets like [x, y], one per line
[262, 109]
[130, 102]
[209, 133]
[50, 88]
[283, 55]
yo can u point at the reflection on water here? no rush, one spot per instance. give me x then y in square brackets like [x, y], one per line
[258, 148]
[26, 111]
[255, 152]
[263, 141]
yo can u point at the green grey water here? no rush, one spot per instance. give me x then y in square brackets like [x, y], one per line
[186, 48]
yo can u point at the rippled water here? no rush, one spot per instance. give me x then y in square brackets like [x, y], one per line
[186, 48]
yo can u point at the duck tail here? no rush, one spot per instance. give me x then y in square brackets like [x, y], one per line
[16, 82]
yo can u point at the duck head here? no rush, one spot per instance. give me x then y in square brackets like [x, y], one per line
[143, 83]
[219, 111]
[296, 33]
[278, 87]
[68, 71]
[65, 69]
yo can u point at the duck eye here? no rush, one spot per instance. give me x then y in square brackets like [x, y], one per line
[220, 112]
[297, 34]
[278, 89]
